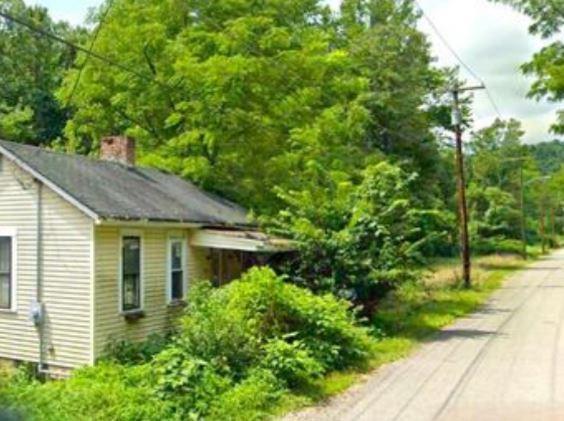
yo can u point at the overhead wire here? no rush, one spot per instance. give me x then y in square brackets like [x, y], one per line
[458, 58]
[45, 33]
[92, 43]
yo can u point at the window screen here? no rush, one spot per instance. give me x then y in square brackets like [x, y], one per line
[131, 273]
[176, 270]
[5, 272]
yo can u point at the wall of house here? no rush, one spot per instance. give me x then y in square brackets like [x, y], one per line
[66, 273]
[110, 324]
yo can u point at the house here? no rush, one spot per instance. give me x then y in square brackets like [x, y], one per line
[93, 251]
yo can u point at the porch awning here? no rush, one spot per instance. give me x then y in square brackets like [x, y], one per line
[253, 241]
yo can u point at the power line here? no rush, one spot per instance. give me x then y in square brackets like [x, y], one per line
[54, 37]
[492, 101]
[94, 38]
[458, 58]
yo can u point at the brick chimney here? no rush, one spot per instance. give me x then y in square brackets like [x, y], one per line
[119, 149]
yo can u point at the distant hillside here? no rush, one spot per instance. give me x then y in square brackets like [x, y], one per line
[549, 155]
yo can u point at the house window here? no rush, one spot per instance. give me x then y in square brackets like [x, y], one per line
[131, 273]
[176, 269]
[6, 272]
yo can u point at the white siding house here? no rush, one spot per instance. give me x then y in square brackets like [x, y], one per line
[95, 251]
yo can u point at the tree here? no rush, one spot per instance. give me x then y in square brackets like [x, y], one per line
[547, 15]
[548, 67]
[242, 97]
[359, 236]
[31, 70]
[238, 96]
[497, 161]
[394, 56]
[496, 154]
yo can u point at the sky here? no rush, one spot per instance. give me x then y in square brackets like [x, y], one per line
[491, 38]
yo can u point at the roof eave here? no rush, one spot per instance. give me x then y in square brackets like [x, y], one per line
[146, 223]
[40, 177]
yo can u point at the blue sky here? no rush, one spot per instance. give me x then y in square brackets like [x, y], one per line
[491, 38]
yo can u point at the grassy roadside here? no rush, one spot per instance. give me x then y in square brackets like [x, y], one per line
[411, 315]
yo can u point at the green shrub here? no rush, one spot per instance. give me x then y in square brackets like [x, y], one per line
[486, 246]
[105, 392]
[129, 353]
[249, 400]
[231, 326]
[239, 349]
[189, 383]
[258, 322]
[290, 362]
[358, 237]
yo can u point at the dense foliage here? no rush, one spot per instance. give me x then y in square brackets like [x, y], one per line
[31, 70]
[240, 348]
[238, 96]
[357, 238]
[332, 128]
[328, 125]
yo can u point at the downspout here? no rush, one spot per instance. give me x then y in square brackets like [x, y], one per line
[37, 307]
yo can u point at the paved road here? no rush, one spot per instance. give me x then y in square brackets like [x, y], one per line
[505, 362]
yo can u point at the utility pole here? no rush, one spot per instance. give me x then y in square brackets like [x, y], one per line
[542, 230]
[522, 206]
[461, 183]
[552, 241]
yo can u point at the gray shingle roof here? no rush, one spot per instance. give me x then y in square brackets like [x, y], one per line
[115, 191]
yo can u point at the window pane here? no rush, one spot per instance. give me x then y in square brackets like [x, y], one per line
[131, 273]
[177, 285]
[5, 255]
[131, 296]
[176, 255]
[131, 256]
[5, 298]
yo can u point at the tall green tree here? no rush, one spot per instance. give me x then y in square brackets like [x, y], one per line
[238, 96]
[497, 157]
[391, 52]
[244, 97]
[31, 70]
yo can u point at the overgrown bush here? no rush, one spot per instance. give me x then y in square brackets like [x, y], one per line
[239, 349]
[484, 246]
[129, 352]
[258, 323]
[357, 237]
[105, 392]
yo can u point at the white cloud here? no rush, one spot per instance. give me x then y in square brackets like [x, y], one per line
[494, 41]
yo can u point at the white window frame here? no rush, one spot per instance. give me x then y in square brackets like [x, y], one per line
[183, 241]
[132, 233]
[13, 234]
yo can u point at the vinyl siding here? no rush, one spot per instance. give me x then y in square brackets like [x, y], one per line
[66, 273]
[109, 324]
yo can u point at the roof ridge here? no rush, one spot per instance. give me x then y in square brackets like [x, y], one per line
[111, 190]
[74, 155]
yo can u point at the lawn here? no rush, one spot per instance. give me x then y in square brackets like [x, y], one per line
[411, 315]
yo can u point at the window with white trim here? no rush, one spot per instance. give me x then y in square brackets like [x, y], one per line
[131, 273]
[6, 272]
[176, 269]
